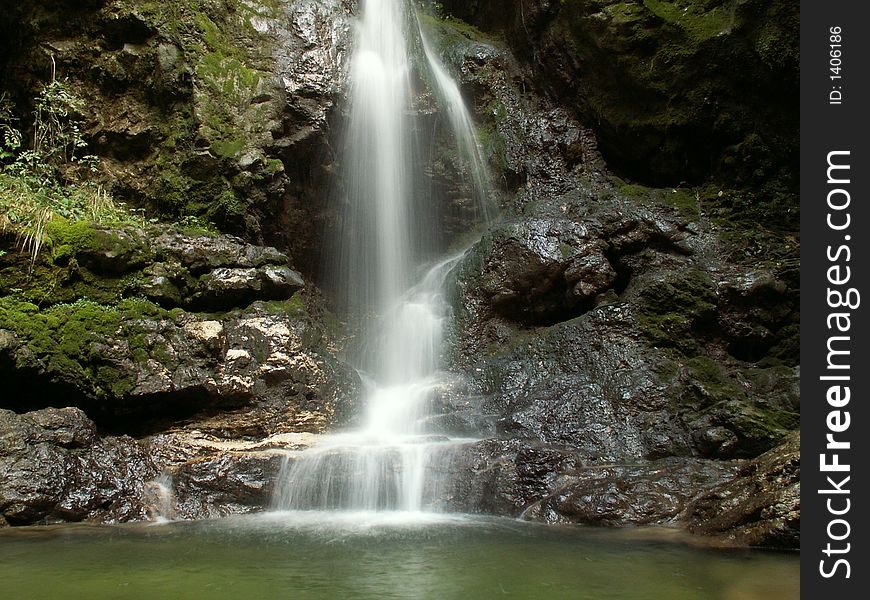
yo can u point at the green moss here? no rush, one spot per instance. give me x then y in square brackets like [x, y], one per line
[62, 336]
[448, 29]
[712, 392]
[494, 145]
[296, 304]
[775, 44]
[718, 386]
[173, 191]
[697, 18]
[687, 201]
[295, 307]
[671, 313]
[230, 119]
[68, 238]
[225, 110]
[670, 84]
[57, 277]
[70, 339]
[786, 350]
[763, 425]
[669, 330]
[69, 273]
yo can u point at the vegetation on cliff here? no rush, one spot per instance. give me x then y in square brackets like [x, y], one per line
[635, 302]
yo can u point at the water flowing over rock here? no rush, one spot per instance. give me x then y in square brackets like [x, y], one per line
[390, 462]
[509, 322]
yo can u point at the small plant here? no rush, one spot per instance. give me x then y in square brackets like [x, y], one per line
[10, 137]
[41, 182]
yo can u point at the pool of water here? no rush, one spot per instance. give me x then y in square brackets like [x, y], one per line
[304, 556]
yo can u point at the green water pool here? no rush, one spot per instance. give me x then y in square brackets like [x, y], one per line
[304, 556]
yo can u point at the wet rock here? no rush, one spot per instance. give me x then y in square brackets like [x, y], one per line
[137, 369]
[455, 409]
[54, 468]
[202, 253]
[312, 60]
[196, 472]
[311, 54]
[224, 286]
[596, 385]
[757, 308]
[652, 363]
[210, 472]
[555, 484]
[502, 477]
[632, 494]
[622, 52]
[210, 272]
[540, 270]
[590, 384]
[226, 484]
[64, 427]
[758, 507]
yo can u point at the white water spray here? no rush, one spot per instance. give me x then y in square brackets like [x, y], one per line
[462, 125]
[391, 462]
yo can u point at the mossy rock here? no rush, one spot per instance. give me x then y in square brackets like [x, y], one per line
[734, 411]
[70, 341]
[672, 313]
[668, 85]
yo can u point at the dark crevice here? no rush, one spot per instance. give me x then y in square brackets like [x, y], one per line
[139, 420]
[26, 391]
[624, 271]
[126, 30]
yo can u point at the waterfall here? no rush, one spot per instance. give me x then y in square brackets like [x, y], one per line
[390, 462]
[462, 125]
[376, 240]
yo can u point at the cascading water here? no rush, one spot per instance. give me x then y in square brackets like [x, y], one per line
[462, 125]
[388, 463]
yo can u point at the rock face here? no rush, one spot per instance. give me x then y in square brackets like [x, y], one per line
[54, 467]
[742, 503]
[538, 271]
[651, 363]
[637, 495]
[623, 352]
[162, 264]
[218, 109]
[140, 356]
[761, 506]
[628, 355]
[312, 52]
[138, 368]
[658, 82]
[207, 470]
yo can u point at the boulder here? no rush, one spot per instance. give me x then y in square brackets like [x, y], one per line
[54, 468]
[540, 270]
[618, 495]
[758, 507]
[134, 364]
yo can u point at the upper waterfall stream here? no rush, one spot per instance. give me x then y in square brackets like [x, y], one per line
[390, 462]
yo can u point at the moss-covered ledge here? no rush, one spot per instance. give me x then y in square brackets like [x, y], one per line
[151, 323]
[164, 264]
